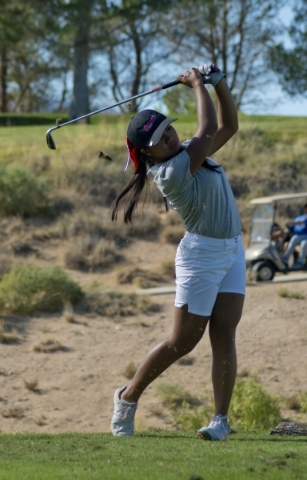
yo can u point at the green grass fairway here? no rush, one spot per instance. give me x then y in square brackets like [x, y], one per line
[155, 455]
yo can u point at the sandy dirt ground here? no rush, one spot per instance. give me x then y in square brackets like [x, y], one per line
[72, 389]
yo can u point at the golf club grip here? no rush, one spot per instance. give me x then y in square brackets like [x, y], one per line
[170, 84]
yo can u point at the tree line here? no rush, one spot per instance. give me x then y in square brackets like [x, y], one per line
[68, 54]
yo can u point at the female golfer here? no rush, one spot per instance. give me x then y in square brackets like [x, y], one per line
[210, 263]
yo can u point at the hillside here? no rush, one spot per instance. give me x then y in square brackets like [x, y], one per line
[55, 210]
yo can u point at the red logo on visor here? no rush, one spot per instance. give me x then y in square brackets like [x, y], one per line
[150, 123]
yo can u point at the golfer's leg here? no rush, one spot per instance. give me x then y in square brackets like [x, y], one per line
[222, 330]
[187, 331]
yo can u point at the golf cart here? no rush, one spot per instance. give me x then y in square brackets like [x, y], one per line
[264, 253]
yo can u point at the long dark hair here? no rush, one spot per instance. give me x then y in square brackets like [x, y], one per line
[136, 186]
[134, 189]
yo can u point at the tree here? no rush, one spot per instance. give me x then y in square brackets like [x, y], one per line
[69, 28]
[137, 48]
[290, 64]
[233, 34]
[10, 36]
[26, 65]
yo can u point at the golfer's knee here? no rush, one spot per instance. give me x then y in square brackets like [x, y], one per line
[223, 336]
[181, 348]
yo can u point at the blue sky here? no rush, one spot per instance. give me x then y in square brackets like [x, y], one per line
[282, 103]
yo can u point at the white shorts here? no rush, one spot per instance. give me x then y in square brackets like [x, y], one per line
[205, 267]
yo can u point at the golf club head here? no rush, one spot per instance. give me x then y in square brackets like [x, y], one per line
[50, 141]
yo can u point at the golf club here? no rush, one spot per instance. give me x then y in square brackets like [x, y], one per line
[49, 139]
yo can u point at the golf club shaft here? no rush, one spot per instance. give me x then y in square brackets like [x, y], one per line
[156, 89]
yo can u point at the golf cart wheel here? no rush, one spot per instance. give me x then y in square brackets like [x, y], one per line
[263, 271]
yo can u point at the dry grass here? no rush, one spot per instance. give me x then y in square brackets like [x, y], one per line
[49, 346]
[92, 255]
[115, 304]
[68, 312]
[172, 219]
[293, 402]
[140, 277]
[8, 336]
[173, 234]
[173, 395]
[168, 268]
[6, 262]
[13, 412]
[130, 371]
[285, 293]
[31, 385]
[157, 410]
[186, 361]
[145, 226]
[41, 420]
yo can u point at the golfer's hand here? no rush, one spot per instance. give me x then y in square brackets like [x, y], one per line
[211, 73]
[191, 78]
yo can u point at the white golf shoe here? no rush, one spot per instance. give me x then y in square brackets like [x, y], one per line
[217, 430]
[122, 423]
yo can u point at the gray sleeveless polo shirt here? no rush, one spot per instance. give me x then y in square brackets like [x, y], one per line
[204, 200]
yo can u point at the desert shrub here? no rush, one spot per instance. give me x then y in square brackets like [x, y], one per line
[8, 336]
[187, 360]
[97, 224]
[173, 395]
[239, 184]
[188, 417]
[26, 289]
[81, 223]
[293, 402]
[92, 255]
[168, 268]
[49, 346]
[173, 234]
[285, 293]
[187, 411]
[5, 264]
[75, 259]
[252, 406]
[116, 304]
[302, 398]
[104, 255]
[130, 370]
[142, 278]
[173, 218]
[23, 193]
[101, 183]
[145, 226]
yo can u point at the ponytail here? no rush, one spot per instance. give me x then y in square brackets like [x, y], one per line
[134, 188]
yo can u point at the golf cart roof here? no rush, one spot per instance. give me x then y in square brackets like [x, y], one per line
[274, 198]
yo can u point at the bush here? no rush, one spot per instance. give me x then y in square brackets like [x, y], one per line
[302, 398]
[189, 418]
[116, 304]
[173, 234]
[22, 193]
[145, 226]
[174, 395]
[92, 255]
[142, 278]
[252, 407]
[187, 412]
[26, 289]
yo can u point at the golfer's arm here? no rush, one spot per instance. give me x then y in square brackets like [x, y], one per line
[201, 142]
[227, 116]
